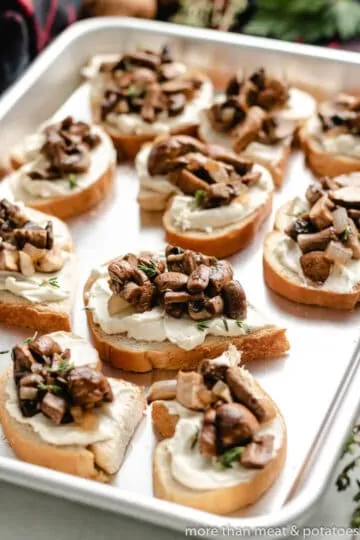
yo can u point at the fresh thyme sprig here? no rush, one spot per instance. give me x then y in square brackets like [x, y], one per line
[30, 339]
[195, 439]
[230, 456]
[202, 325]
[73, 183]
[346, 234]
[226, 325]
[343, 480]
[53, 388]
[199, 196]
[4, 352]
[243, 325]
[149, 268]
[53, 282]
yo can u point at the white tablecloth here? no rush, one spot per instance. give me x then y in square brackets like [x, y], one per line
[28, 515]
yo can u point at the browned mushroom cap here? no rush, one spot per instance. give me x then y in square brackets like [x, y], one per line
[316, 241]
[225, 116]
[13, 214]
[207, 436]
[235, 305]
[162, 390]
[213, 372]
[174, 281]
[141, 58]
[187, 181]
[198, 279]
[88, 387]
[197, 308]
[245, 132]
[258, 453]
[313, 193]
[215, 306]
[249, 394]
[236, 425]
[35, 236]
[44, 347]
[220, 274]
[347, 196]
[320, 213]
[315, 266]
[163, 152]
[54, 407]
[221, 194]
[120, 271]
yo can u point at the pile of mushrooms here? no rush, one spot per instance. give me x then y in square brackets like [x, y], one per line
[48, 383]
[189, 284]
[147, 83]
[25, 246]
[234, 409]
[328, 233]
[209, 173]
[248, 109]
[342, 115]
[66, 150]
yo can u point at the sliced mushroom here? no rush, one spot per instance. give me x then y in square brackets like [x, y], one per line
[207, 435]
[9, 260]
[116, 304]
[197, 309]
[221, 391]
[188, 387]
[54, 407]
[26, 265]
[247, 392]
[162, 390]
[22, 358]
[316, 241]
[174, 281]
[35, 253]
[315, 266]
[187, 181]
[301, 225]
[245, 132]
[44, 347]
[236, 425]
[235, 305]
[51, 262]
[313, 193]
[215, 305]
[165, 151]
[353, 241]
[320, 213]
[213, 372]
[347, 196]
[258, 453]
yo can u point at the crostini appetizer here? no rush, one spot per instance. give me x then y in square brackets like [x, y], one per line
[331, 138]
[257, 117]
[59, 411]
[220, 200]
[171, 310]
[225, 439]
[143, 94]
[37, 269]
[313, 256]
[64, 169]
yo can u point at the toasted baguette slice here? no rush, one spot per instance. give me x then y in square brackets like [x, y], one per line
[287, 284]
[325, 163]
[141, 356]
[153, 201]
[98, 461]
[224, 241]
[45, 316]
[218, 501]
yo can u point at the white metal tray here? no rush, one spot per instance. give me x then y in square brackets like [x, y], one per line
[316, 386]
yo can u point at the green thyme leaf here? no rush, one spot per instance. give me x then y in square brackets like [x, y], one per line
[230, 456]
[196, 438]
[53, 388]
[202, 325]
[63, 366]
[4, 352]
[346, 234]
[30, 339]
[73, 183]
[199, 196]
[243, 325]
[53, 282]
[149, 268]
[226, 325]
[132, 91]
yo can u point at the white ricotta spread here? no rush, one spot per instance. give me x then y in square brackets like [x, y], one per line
[197, 472]
[108, 415]
[133, 123]
[343, 144]
[158, 183]
[156, 325]
[26, 189]
[186, 215]
[342, 278]
[37, 288]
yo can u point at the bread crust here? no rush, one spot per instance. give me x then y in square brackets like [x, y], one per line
[221, 244]
[325, 163]
[67, 206]
[288, 286]
[130, 355]
[218, 501]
